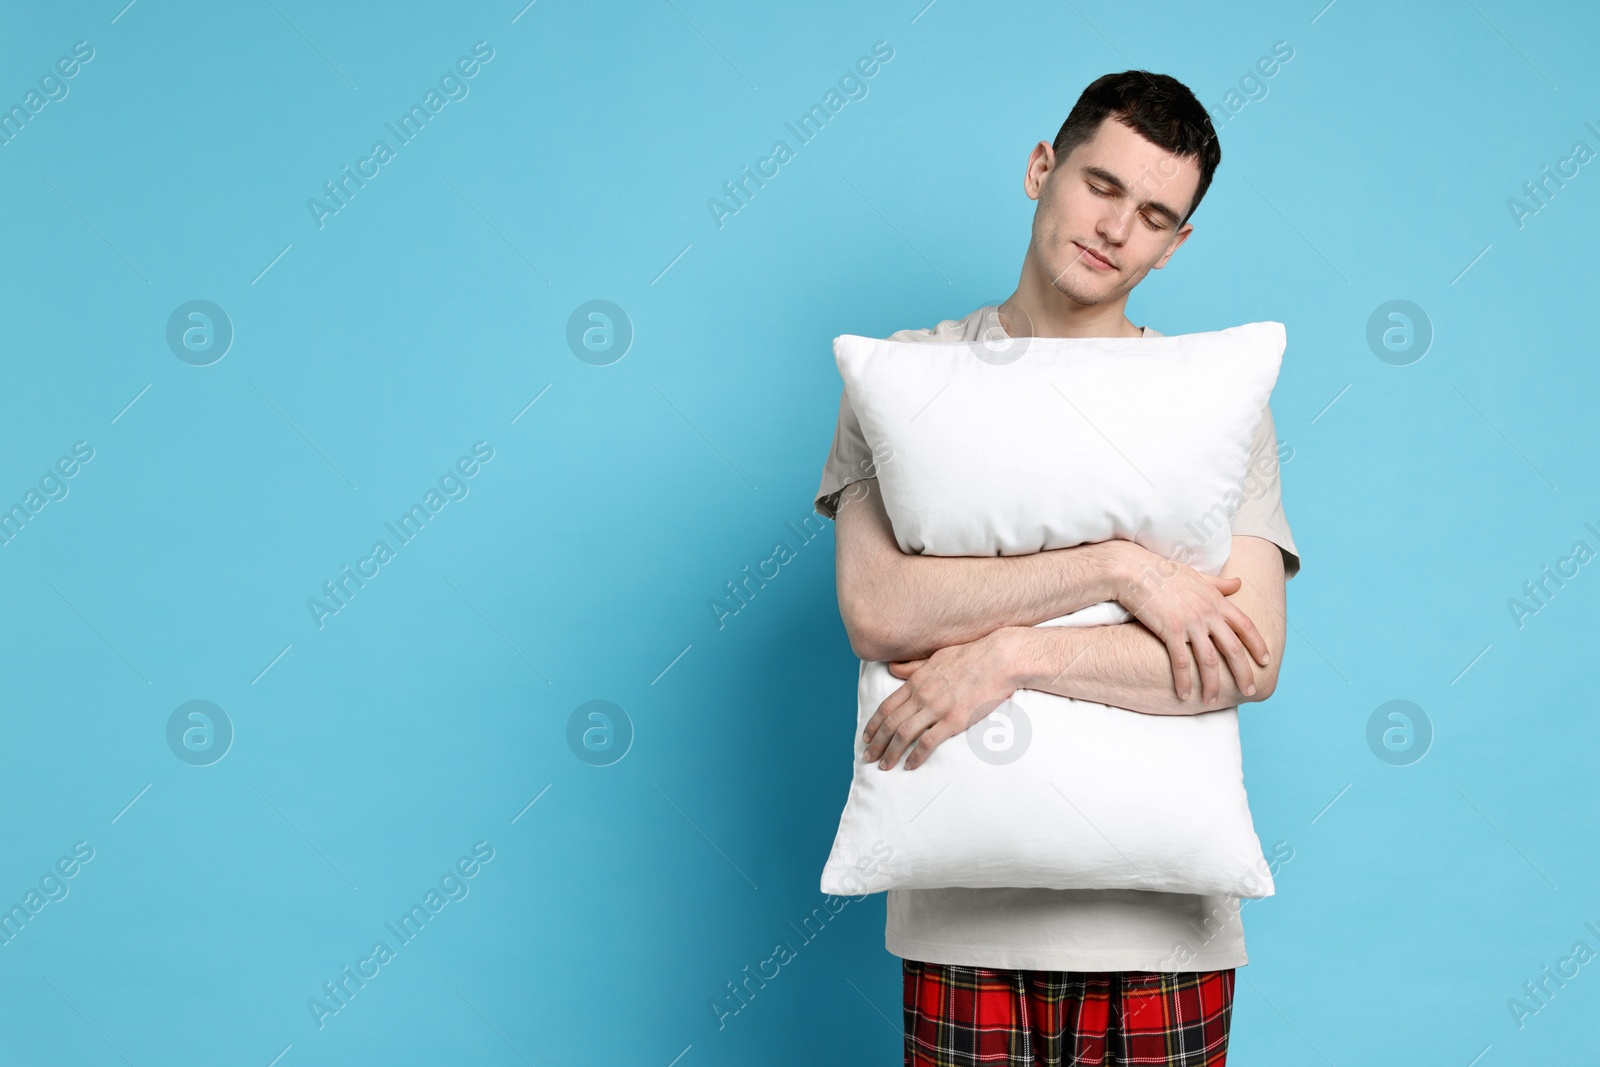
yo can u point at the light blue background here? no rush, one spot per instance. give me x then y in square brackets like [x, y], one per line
[429, 312]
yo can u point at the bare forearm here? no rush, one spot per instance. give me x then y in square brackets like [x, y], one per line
[901, 606]
[1122, 664]
[930, 602]
[1127, 665]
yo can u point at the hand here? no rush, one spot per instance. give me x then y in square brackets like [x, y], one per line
[1187, 609]
[942, 696]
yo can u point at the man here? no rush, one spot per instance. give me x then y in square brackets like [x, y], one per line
[1041, 976]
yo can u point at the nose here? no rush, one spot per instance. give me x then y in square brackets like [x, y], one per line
[1114, 224]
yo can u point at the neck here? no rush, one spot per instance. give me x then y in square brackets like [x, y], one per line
[1039, 309]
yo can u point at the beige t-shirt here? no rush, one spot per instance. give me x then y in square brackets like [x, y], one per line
[1066, 929]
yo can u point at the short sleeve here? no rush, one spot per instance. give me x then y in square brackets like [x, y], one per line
[850, 460]
[1261, 513]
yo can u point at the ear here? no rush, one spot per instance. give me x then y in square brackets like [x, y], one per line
[1041, 162]
[1183, 235]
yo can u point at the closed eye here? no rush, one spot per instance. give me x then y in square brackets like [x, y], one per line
[1150, 221]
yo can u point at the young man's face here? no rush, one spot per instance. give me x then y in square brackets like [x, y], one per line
[1108, 213]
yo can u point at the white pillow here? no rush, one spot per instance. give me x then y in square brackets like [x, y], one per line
[1051, 443]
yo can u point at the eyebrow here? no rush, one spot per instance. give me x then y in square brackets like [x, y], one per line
[1112, 180]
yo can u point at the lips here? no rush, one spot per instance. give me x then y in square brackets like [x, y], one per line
[1096, 259]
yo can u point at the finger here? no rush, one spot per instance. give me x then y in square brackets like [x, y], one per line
[1247, 632]
[1219, 582]
[1206, 658]
[884, 736]
[906, 734]
[931, 739]
[1238, 660]
[895, 709]
[1178, 653]
[875, 724]
[904, 669]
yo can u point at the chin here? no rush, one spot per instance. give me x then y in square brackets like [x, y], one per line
[1088, 295]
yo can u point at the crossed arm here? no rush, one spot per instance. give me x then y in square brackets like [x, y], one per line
[959, 630]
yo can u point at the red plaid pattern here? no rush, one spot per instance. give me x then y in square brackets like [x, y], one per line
[974, 1016]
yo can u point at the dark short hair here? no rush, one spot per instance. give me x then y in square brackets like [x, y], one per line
[1158, 107]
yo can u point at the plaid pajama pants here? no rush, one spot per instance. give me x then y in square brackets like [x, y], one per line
[981, 1017]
